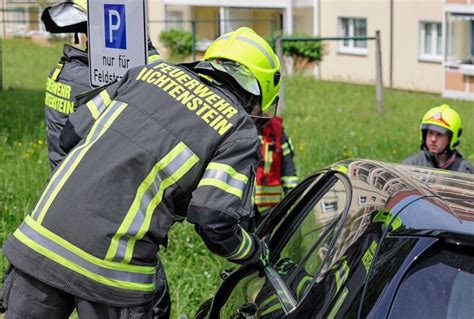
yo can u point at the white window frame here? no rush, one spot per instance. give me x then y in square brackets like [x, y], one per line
[175, 19]
[433, 56]
[350, 48]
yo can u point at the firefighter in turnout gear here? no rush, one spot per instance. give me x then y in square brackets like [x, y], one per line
[440, 132]
[276, 173]
[66, 81]
[166, 143]
[70, 77]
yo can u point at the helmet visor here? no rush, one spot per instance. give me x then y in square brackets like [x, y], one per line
[240, 73]
[67, 14]
[435, 128]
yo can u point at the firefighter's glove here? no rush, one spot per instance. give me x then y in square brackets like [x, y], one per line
[263, 256]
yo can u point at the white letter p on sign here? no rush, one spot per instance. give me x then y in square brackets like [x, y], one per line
[113, 26]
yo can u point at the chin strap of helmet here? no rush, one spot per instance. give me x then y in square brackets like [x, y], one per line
[435, 157]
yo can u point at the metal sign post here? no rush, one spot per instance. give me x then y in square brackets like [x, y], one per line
[379, 99]
[117, 38]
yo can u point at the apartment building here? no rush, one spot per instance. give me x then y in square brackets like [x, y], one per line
[20, 18]
[427, 45]
[458, 61]
[212, 17]
[410, 42]
[411, 33]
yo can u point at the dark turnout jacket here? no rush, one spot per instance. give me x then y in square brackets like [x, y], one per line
[425, 158]
[68, 79]
[65, 81]
[162, 145]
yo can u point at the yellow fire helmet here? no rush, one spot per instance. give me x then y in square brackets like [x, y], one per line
[442, 119]
[66, 17]
[251, 51]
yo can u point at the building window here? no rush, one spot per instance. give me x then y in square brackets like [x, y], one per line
[174, 20]
[353, 27]
[16, 21]
[460, 39]
[431, 41]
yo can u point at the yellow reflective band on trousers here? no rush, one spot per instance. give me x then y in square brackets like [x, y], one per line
[225, 178]
[147, 198]
[57, 249]
[245, 247]
[70, 163]
[98, 104]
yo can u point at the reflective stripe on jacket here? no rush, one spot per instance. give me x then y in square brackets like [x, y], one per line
[164, 145]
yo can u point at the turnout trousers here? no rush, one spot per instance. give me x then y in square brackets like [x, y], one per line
[23, 296]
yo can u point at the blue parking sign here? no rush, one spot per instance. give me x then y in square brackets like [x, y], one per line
[115, 26]
[117, 38]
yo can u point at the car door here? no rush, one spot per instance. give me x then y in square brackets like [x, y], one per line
[300, 233]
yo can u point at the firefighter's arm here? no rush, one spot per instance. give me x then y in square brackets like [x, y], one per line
[91, 105]
[288, 170]
[223, 198]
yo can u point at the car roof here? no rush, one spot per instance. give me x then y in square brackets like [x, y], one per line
[432, 199]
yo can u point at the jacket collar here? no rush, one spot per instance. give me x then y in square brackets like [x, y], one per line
[72, 53]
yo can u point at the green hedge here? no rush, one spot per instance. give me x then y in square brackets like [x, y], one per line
[178, 42]
[312, 51]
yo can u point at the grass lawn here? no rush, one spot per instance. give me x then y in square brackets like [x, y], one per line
[327, 122]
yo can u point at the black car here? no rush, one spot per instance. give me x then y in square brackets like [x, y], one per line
[362, 239]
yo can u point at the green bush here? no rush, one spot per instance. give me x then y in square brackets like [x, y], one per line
[178, 42]
[312, 51]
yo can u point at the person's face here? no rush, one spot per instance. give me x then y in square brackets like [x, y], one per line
[436, 141]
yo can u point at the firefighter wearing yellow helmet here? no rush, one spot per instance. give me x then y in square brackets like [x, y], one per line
[66, 17]
[166, 143]
[68, 79]
[440, 132]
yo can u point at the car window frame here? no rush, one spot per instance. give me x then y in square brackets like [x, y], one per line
[266, 227]
[320, 182]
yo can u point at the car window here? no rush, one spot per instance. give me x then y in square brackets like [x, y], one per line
[307, 245]
[300, 258]
[440, 286]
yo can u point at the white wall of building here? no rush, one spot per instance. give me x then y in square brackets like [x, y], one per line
[410, 70]
[338, 66]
